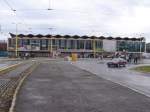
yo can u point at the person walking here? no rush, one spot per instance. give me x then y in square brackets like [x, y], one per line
[135, 59]
[130, 58]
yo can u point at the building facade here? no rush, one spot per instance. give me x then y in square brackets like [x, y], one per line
[148, 47]
[3, 48]
[84, 46]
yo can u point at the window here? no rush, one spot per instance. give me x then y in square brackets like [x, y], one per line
[80, 44]
[98, 44]
[44, 44]
[89, 44]
[131, 46]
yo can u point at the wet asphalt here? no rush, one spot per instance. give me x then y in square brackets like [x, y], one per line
[61, 87]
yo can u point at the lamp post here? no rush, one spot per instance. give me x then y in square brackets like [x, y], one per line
[94, 48]
[51, 43]
[49, 3]
[16, 47]
[141, 40]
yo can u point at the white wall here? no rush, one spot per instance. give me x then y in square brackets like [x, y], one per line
[109, 45]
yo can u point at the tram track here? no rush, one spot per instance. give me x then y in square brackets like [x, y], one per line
[10, 81]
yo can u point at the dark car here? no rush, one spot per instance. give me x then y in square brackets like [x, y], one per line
[117, 62]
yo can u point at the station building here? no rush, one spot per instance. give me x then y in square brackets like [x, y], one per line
[85, 46]
[148, 47]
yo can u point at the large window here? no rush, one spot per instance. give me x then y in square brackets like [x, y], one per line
[35, 44]
[131, 46]
[89, 45]
[71, 44]
[44, 44]
[80, 44]
[26, 41]
[62, 44]
[98, 45]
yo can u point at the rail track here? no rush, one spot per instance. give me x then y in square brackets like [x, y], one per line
[9, 82]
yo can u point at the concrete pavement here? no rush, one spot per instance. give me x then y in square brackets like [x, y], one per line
[61, 87]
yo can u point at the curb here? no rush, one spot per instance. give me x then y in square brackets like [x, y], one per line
[13, 103]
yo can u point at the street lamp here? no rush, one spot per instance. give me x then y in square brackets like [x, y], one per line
[16, 49]
[141, 40]
[51, 43]
[49, 8]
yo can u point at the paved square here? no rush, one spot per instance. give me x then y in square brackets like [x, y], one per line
[61, 87]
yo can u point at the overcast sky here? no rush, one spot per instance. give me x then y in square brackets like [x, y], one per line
[76, 17]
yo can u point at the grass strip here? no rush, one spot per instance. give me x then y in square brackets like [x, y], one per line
[144, 69]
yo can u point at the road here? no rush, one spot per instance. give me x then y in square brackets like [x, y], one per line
[61, 87]
[137, 81]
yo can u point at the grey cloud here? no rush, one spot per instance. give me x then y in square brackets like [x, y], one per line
[83, 17]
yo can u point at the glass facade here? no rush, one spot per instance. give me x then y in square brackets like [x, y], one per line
[62, 44]
[131, 46]
[69, 45]
[44, 44]
[98, 45]
[25, 41]
[78, 44]
[89, 45]
[35, 42]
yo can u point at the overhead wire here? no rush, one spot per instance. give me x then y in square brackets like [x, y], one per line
[8, 4]
[22, 19]
[14, 11]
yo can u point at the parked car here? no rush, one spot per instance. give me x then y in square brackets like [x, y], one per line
[117, 62]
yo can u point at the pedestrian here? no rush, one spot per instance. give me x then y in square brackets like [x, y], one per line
[27, 55]
[130, 58]
[135, 59]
